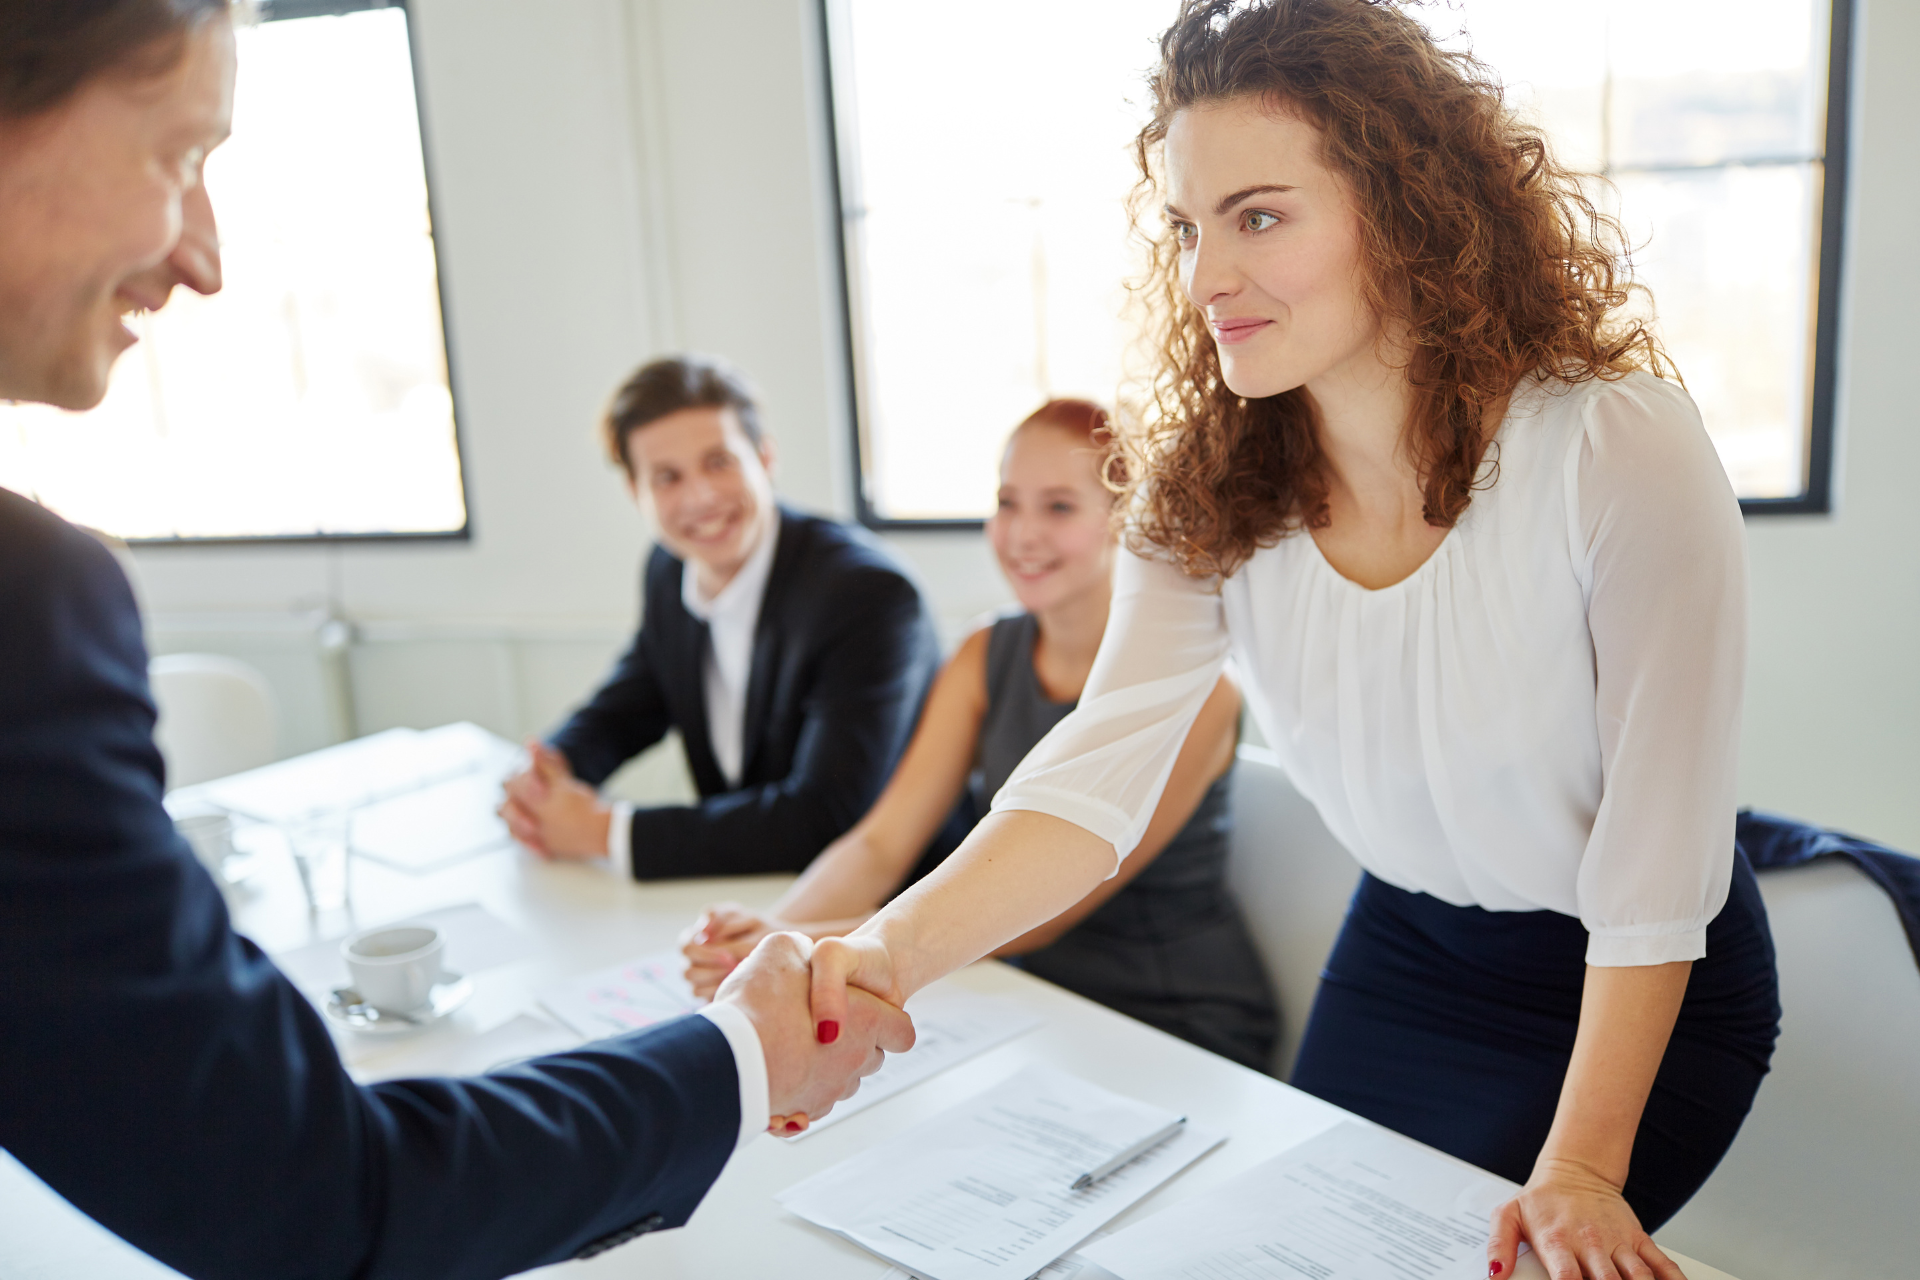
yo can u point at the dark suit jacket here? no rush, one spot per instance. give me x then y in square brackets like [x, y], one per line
[158, 1072]
[843, 656]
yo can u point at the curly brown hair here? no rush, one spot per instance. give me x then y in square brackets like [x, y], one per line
[1475, 240]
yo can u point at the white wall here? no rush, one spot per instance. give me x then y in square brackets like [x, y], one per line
[543, 233]
[1833, 694]
[619, 177]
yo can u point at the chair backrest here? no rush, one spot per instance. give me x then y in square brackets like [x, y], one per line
[1824, 1178]
[216, 716]
[1292, 879]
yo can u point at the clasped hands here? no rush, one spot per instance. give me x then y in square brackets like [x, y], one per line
[824, 1007]
[811, 1064]
[553, 813]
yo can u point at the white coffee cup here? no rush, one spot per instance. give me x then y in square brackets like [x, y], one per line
[394, 967]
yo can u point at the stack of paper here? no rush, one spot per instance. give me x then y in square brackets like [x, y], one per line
[986, 1189]
[1355, 1203]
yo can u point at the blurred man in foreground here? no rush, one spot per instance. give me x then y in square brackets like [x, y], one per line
[156, 1069]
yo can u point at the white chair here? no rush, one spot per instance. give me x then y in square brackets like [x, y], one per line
[216, 716]
[1824, 1178]
[1292, 879]
[1825, 1175]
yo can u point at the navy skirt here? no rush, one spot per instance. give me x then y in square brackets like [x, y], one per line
[1454, 1026]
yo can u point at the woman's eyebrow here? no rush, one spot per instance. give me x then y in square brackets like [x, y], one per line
[1227, 202]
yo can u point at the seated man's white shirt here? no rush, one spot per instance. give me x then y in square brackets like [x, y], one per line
[731, 615]
[750, 1064]
[1546, 714]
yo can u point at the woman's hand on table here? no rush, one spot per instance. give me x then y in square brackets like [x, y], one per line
[724, 935]
[1576, 1221]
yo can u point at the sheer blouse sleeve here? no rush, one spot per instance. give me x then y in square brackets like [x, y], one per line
[1104, 766]
[1658, 544]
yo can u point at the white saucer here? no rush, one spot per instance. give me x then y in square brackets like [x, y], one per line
[345, 1008]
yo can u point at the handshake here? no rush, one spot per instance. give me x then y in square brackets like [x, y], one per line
[809, 1067]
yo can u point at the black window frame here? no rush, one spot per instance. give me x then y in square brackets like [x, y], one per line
[1815, 498]
[282, 10]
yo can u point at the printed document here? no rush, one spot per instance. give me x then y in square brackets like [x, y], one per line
[950, 1025]
[984, 1190]
[1355, 1203]
[1072, 1267]
[624, 998]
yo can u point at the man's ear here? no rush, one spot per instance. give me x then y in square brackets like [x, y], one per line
[768, 454]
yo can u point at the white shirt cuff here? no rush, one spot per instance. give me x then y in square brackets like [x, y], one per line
[750, 1063]
[1624, 948]
[620, 839]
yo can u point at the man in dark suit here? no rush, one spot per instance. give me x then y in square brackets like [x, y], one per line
[155, 1069]
[792, 654]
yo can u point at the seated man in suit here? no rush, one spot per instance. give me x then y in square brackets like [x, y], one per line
[791, 653]
[156, 1069]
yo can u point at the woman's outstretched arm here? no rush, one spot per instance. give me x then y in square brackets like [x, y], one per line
[1206, 754]
[1017, 869]
[1081, 800]
[853, 875]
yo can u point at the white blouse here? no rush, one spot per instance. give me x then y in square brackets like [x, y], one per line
[1544, 715]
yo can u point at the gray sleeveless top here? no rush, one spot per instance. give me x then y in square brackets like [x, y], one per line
[1169, 948]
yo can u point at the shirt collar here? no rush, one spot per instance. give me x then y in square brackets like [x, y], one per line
[742, 593]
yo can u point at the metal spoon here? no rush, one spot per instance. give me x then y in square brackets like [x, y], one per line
[354, 1005]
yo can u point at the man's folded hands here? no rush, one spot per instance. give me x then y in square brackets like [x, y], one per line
[804, 1076]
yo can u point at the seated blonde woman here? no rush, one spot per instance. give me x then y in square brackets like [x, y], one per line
[1161, 941]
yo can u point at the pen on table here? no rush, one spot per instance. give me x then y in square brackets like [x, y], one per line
[1132, 1153]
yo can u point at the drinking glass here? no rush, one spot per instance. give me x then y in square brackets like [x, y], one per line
[319, 845]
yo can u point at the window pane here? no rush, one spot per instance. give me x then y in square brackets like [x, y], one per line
[1726, 258]
[986, 254]
[991, 252]
[1549, 55]
[310, 395]
[1696, 84]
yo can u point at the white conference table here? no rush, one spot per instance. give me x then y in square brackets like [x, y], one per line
[583, 918]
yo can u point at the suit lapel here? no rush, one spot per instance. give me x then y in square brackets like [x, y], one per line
[685, 679]
[767, 631]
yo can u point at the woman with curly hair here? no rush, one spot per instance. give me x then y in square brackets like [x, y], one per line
[1483, 580]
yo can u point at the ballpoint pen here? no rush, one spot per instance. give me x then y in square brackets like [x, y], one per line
[1132, 1153]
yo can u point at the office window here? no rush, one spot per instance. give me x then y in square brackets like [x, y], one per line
[983, 173]
[310, 397]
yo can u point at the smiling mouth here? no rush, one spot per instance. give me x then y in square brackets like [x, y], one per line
[129, 304]
[1237, 330]
[711, 530]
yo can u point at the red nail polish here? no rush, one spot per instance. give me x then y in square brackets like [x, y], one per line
[793, 1126]
[828, 1031]
[1495, 1268]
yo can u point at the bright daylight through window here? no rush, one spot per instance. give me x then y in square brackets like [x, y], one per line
[310, 396]
[986, 237]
